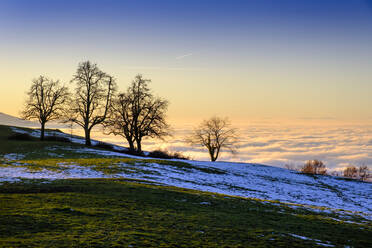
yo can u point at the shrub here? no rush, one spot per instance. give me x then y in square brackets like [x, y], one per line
[363, 173]
[314, 167]
[167, 155]
[159, 154]
[134, 152]
[291, 167]
[110, 147]
[104, 145]
[179, 155]
[335, 173]
[350, 172]
[21, 136]
[57, 138]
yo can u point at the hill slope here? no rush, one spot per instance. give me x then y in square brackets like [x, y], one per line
[239, 179]
[310, 199]
[10, 120]
[15, 121]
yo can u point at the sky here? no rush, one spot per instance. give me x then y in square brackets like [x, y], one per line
[252, 61]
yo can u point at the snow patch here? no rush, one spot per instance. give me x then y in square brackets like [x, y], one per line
[73, 139]
[13, 156]
[318, 193]
[317, 241]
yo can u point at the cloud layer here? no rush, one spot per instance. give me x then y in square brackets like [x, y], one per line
[337, 146]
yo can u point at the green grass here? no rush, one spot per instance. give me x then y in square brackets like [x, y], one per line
[135, 213]
[40, 150]
[185, 166]
[107, 166]
[129, 213]
[33, 149]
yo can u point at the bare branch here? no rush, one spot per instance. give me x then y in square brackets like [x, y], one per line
[92, 101]
[137, 114]
[46, 101]
[215, 134]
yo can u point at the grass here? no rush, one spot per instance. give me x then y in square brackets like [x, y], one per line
[40, 150]
[32, 149]
[129, 213]
[107, 166]
[136, 213]
[184, 166]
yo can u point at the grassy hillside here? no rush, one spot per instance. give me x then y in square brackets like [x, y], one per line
[31, 149]
[119, 212]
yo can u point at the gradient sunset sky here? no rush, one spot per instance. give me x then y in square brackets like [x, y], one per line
[249, 60]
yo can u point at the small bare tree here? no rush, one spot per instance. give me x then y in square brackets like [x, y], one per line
[363, 172]
[92, 100]
[314, 167]
[350, 172]
[137, 114]
[215, 134]
[46, 101]
[291, 166]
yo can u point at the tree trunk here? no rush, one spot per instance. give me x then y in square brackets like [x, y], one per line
[87, 137]
[217, 153]
[131, 145]
[211, 154]
[42, 131]
[139, 146]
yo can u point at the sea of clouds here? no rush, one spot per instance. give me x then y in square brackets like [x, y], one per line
[278, 145]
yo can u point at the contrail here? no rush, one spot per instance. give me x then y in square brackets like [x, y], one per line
[184, 56]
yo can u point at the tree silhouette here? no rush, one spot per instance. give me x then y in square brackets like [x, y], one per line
[46, 101]
[314, 167]
[92, 99]
[216, 135]
[137, 114]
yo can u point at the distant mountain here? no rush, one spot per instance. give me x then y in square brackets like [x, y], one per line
[10, 120]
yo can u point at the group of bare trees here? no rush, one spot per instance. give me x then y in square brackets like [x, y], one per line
[136, 114]
[133, 114]
[361, 172]
[317, 167]
[314, 167]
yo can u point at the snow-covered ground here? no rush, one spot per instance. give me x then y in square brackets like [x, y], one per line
[238, 179]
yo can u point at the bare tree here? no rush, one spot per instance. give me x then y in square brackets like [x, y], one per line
[215, 134]
[137, 114]
[363, 172]
[46, 99]
[93, 96]
[290, 166]
[350, 171]
[314, 167]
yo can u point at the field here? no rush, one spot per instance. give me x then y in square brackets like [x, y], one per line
[60, 194]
